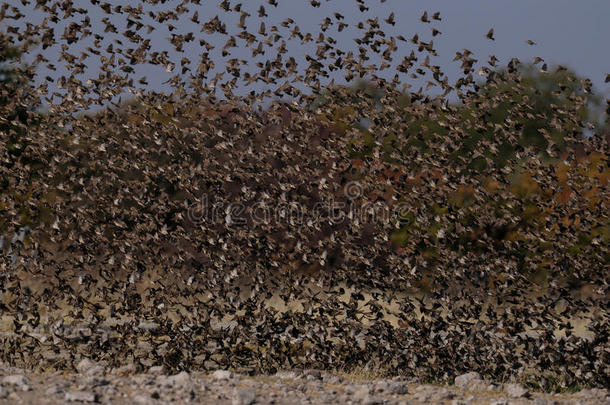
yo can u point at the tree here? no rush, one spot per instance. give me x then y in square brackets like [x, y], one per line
[17, 119]
[14, 89]
[543, 98]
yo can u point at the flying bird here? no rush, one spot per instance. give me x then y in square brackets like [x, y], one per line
[112, 193]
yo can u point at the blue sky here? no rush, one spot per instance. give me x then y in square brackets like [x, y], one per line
[572, 33]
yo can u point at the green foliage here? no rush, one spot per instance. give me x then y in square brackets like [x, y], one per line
[17, 122]
[545, 98]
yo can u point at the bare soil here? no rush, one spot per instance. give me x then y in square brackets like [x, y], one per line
[95, 384]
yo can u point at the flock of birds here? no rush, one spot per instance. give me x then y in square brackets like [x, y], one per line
[126, 263]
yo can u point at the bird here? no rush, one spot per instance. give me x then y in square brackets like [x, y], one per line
[490, 34]
[391, 19]
[321, 203]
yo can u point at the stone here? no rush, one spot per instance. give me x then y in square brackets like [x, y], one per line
[156, 370]
[145, 379]
[362, 394]
[182, 379]
[329, 398]
[593, 393]
[94, 382]
[465, 381]
[373, 400]
[17, 380]
[443, 394]
[53, 390]
[244, 396]
[312, 372]
[142, 399]
[392, 387]
[515, 390]
[126, 370]
[80, 396]
[221, 374]
[358, 392]
[423, 396]
[332, 379]
[428, 393]
[3, 392]
[89, 367]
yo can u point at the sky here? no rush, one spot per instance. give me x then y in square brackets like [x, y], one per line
[571, 33]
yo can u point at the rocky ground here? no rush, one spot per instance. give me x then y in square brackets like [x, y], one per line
[93, 383]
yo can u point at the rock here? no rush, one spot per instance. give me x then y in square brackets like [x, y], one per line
[428, 393]
[89, 367]
[593, 393]
[182, 379]
[423, 396]
[146, 379]
[472, 381]
[53, 390]
[313, 373]
[17, 380]
[515, 390]
[156, 370]
[358, 392]
[332, 379]
[443, 394]
[94, 382]
[362, 394]
[125, 370]
[244, 396]
[3, 392]
[490, 387]
[373, 400]
[221, 375]
[142, 399]
[330, 398]
[392, 387]
[464, 381]
[80, 396]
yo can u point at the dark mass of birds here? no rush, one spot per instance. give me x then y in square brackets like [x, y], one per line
[494, 244]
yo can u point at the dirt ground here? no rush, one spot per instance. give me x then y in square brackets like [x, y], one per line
[95, 384]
